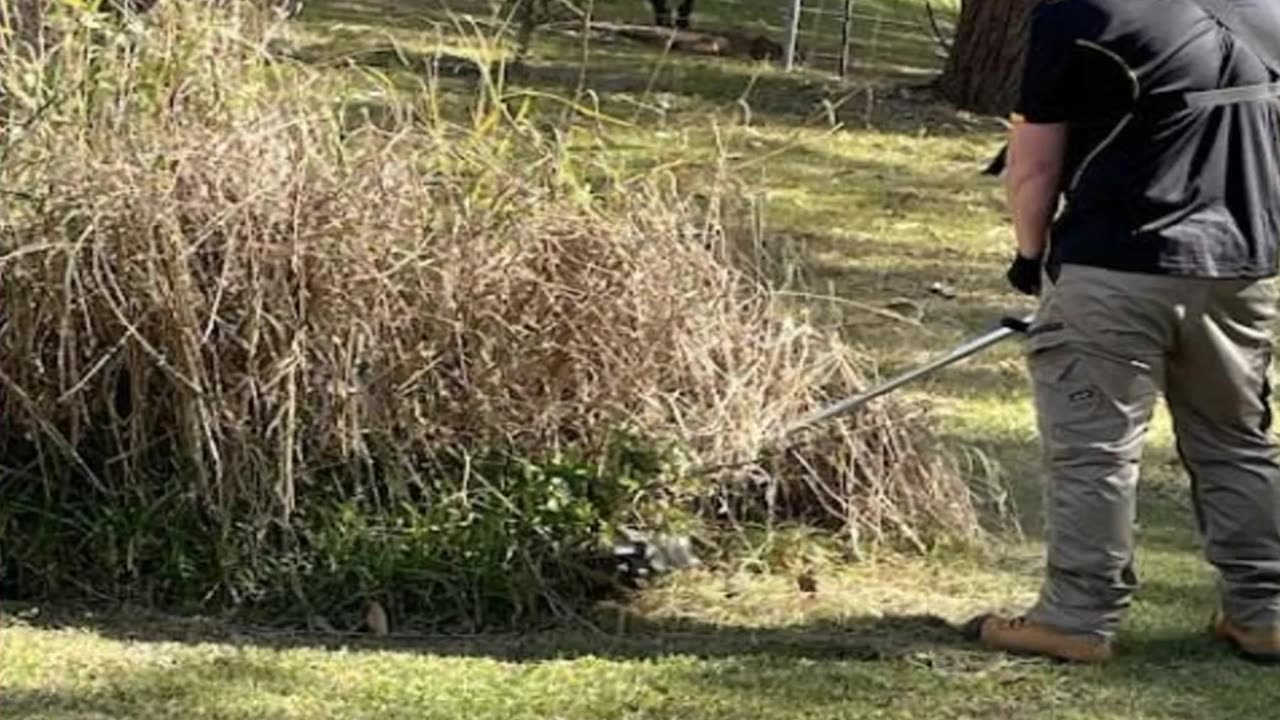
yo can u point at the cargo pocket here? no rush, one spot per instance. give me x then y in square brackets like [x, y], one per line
[1087, 399]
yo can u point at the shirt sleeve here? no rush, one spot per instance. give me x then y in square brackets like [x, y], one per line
[1046, 88]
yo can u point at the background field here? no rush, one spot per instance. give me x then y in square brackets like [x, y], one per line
[874, 186]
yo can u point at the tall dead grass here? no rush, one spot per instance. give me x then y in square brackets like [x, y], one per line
[218, 287]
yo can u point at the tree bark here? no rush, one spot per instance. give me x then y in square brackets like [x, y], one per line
[984, 68]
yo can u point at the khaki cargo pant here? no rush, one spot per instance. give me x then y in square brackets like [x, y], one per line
[1103, 346]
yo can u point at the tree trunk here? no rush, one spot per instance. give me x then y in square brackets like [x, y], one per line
[985, 65]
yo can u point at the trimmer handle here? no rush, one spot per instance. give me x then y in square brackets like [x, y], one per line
[1018, 325]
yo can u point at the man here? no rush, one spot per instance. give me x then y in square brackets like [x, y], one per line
[1156, 277]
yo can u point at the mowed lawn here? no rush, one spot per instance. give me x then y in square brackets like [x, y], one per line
[872, 197]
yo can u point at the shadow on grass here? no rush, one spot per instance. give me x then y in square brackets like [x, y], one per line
[214, 681]
[66, 703]
[611, 632]
[616, 632]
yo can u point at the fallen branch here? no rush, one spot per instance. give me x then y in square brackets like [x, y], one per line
[720, 43]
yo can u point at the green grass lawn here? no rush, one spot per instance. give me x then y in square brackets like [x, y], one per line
[876, 186]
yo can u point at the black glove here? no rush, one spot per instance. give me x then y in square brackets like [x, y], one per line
[1024, 274]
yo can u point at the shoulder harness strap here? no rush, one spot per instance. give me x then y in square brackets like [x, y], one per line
[1225, 14]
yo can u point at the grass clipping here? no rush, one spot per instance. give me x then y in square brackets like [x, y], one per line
[216, 281]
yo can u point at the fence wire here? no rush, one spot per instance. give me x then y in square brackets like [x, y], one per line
[912, 36]
[907, 36]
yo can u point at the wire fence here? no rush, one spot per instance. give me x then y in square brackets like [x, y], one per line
[872, 40]
[906, 36]
[831, 35]
[837, 36]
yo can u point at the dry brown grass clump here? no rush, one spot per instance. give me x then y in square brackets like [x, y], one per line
[216, 287]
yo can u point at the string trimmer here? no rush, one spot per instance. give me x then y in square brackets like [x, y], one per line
[636, 553]
[1008, 327]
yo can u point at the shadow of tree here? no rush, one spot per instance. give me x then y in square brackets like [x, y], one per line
[156, 688]
[612, 631]
[629, 637]
[23, 703]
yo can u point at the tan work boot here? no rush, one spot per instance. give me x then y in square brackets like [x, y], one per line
[1022, 636]
[1262, 646]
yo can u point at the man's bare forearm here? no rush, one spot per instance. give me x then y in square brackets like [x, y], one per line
[1033, 200]
[1035, 172]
